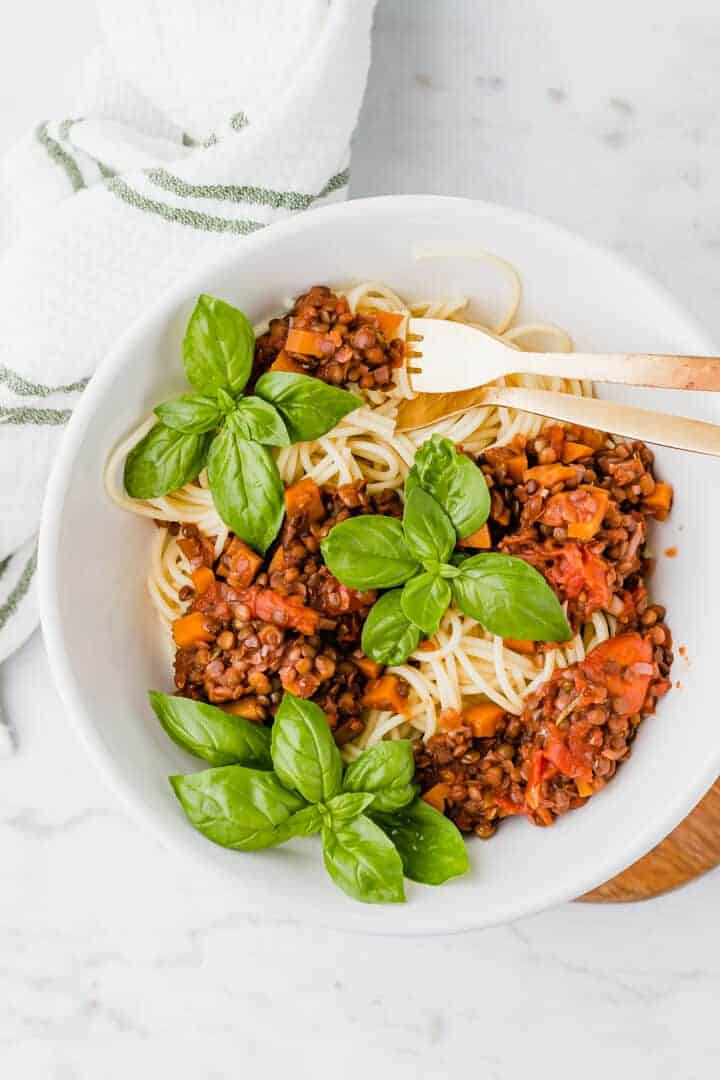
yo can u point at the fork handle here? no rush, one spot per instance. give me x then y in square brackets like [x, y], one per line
[661, 428]
[632, 369]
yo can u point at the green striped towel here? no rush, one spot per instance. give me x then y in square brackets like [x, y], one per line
[199, 124]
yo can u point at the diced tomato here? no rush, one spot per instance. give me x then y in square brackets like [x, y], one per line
[613, 664]
[270, 606]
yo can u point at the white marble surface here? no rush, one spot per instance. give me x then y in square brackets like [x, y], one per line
[114, 959]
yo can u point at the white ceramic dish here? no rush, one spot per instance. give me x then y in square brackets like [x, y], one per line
[101, 633]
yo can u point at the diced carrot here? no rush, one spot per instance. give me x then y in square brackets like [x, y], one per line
[479, 539]
[389, 322]
[304, 498]
[549, 475]
[369, 667]
[574, 451]
[483, 719]
[584, 788]
[239, 564]
[189, 629]
[305, 342]
[283, 362]
[516, 466]
[246, 707]
[659, 502]
[581, 511]
[275, 608]
[384, 693]
[436, 796]
[202, 579]
[450, 720]
[527, 648]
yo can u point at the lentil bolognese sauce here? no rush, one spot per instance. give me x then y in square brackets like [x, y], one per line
[501, 725]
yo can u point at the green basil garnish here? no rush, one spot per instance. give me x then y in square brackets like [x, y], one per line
[369, 552]
[304, 753]
[388, 636]
[347, 806]
[454, 481]
[208, 732]
[386, 770]
[424, 601]
[237, 807]
[255, 419]
[430, 845]
[163, 461]
[218, 347]
[363, 862]
[309, 407]
[193, 414]
[429, 532]
[246, 488]
[304, 823]
[509, 598]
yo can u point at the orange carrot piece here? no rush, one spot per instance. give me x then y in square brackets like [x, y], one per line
[384, 693]
[527, 648]
[436, 796]
[283, 362]
[369, 667]
[305, 342]
[389, 322]
[479, 539]
[202, 579]
[304, 498]
[592, 437]
[483, 719]
[246, 707]
[549, 475]
[659, 502]
[516, 466]
[190, 629]
[584, 788]
[450, 720]
[574, 451]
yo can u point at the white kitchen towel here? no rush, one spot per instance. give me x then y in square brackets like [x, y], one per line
[201, 121]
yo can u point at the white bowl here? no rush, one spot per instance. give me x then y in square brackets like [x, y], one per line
[101, 632]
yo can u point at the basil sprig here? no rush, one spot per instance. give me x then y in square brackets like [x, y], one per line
[268, 789]
[219, 427]
[446, 498]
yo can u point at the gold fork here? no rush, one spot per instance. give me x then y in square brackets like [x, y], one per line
[626, 420]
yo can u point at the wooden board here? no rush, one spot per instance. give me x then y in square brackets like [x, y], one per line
[690, 850]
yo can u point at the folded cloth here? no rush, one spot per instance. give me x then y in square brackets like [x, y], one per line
[201, 123]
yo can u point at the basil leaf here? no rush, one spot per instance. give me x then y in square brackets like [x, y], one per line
[246, 488]
[304, 753]
[209, 733]
[424, 601]
[369, 552]
[362, 861]
[218, 347]
[429, 532]
[454, 480]
[304, 823]
[386, 771]
[343, 808]
[163, 461]
[430, 845]
[239, 808]
[388, 636]
[255, 419]
[192, 413]
[510, 598]
[309, 407]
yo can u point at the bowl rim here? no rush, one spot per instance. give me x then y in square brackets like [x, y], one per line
[80, 715]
